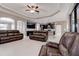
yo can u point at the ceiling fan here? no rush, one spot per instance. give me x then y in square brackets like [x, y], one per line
[32, 8]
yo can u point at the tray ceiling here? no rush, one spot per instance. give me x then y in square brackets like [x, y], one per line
[46, 9]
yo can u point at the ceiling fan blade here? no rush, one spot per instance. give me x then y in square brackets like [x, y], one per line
[36, 11]
[36, 7]
[28, 6]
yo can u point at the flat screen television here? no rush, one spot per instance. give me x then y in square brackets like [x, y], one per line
[30, 25]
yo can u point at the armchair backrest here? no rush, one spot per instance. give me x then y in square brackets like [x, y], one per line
[74, 50]
[66, 42]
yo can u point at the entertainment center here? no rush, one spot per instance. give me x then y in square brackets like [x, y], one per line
[32, 26]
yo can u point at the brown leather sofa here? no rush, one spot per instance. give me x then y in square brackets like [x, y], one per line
[39, 36]
[10, 35]
[68, 46]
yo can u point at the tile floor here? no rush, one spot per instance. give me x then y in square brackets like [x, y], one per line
[24, 47]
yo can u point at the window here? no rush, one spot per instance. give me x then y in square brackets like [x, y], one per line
[6, 23]
[21, 26]
[3, 27]
[72, 22]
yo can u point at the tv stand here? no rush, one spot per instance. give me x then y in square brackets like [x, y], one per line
[29, 33]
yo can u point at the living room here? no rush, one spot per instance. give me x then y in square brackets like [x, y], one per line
[25, 28]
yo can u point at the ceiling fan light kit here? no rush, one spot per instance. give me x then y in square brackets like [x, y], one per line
[32, 11]
[32, 8]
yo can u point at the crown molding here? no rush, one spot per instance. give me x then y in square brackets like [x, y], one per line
[12, 12]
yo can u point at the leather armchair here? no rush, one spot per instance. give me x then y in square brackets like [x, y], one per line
[50, 49]
[68, 46]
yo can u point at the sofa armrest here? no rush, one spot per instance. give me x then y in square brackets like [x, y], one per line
[52, 44]
[43, 51]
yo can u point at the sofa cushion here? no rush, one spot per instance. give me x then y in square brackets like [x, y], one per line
[11, 34]
[52, 44]
[74, 50]
[16, 33]
[43, 34]
[53, 51]
[63, 50]
[4, 38]
[12, 31]
[3, 31]
[37, 36]
[43, 50]
[4, 34]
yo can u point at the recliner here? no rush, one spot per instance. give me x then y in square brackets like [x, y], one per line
[68, 46]
[10, 35]
[39, 36]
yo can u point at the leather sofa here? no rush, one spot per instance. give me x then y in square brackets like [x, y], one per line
[68, 46]
[10, 35]
[39, 36]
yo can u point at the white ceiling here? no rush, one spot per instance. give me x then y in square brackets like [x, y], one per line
[45, 9]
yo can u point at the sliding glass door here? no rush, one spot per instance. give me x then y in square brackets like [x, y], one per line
[77, 18]
[74, 19]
